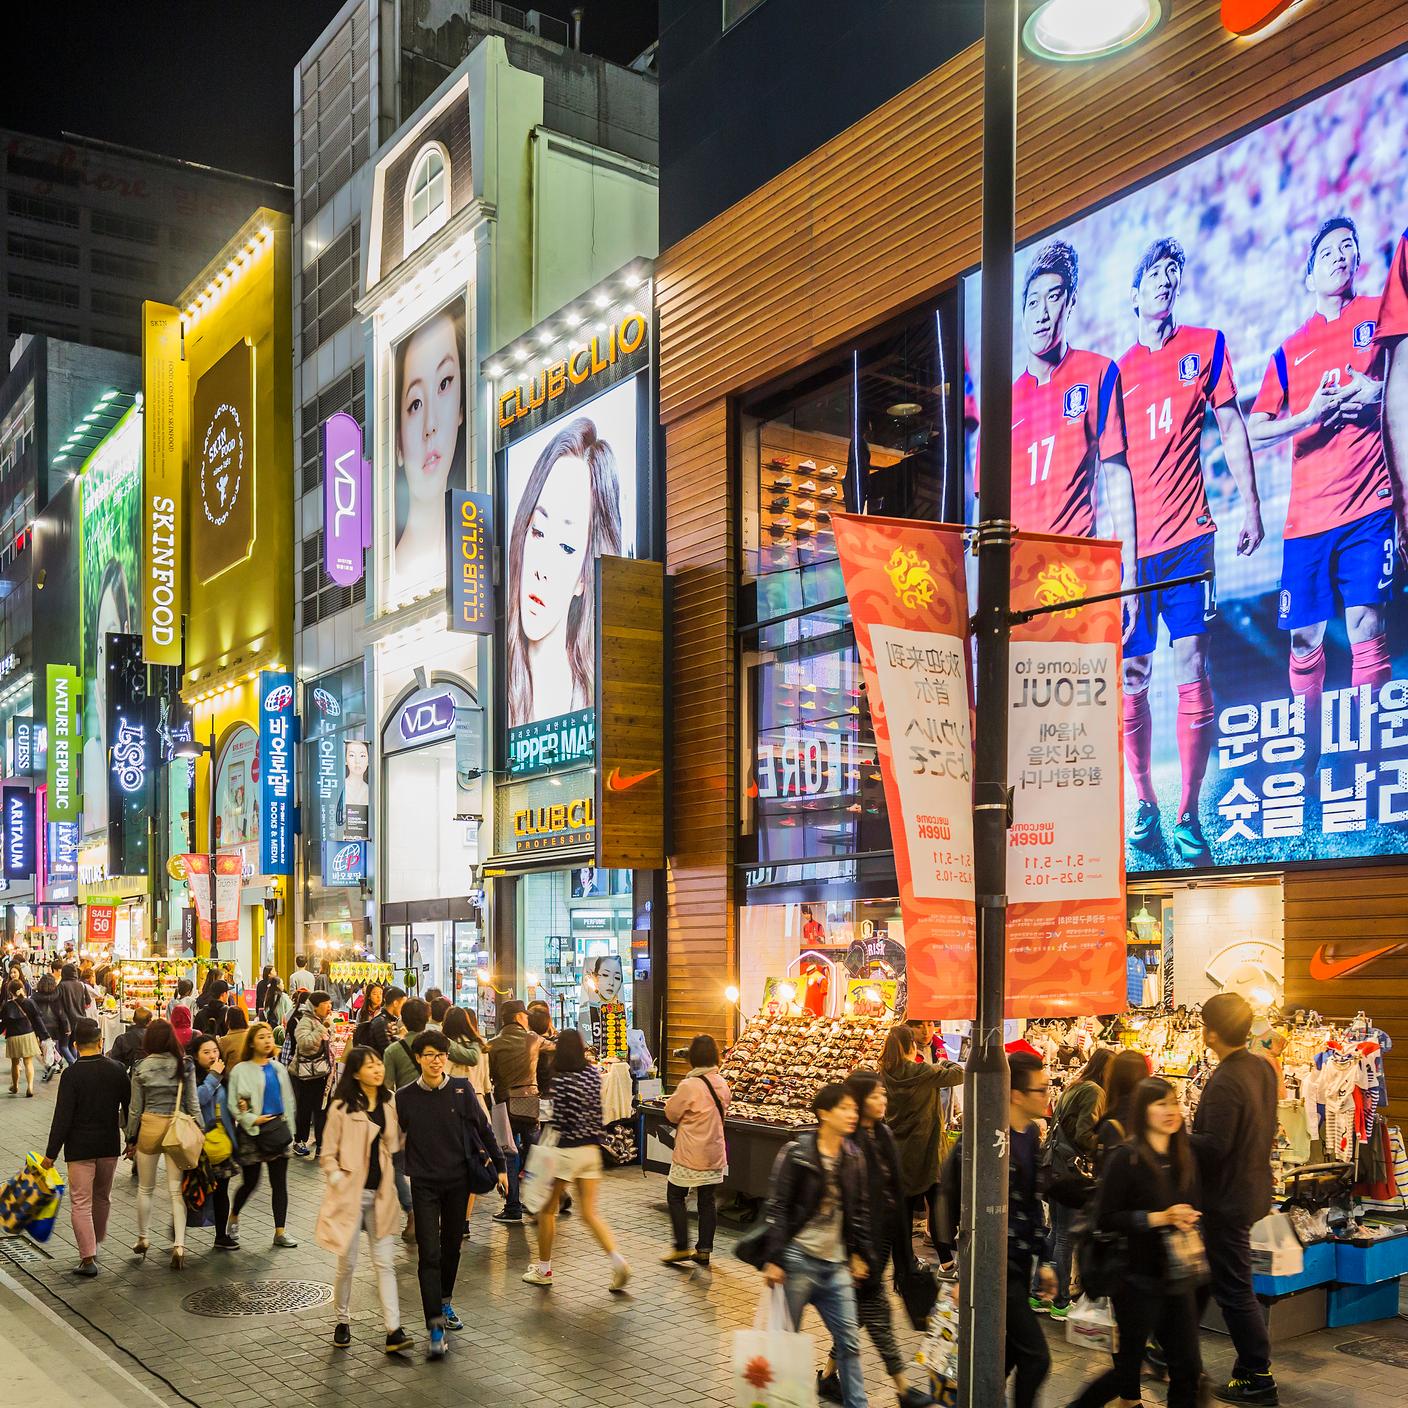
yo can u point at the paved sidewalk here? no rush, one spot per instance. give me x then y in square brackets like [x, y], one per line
[664, 1343]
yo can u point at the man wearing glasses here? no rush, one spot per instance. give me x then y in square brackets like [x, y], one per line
[441, 1119]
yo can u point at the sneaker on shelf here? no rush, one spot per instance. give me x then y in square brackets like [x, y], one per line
[452, 1321]
[1147, 823]
[509, 1219]
[342, 1336]
[806, 487]
[1257, 1389]
[536, 1277]
[398, 1341]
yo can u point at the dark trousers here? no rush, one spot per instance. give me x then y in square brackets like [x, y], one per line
[220, 1204]
[1026, 1342]
[308, 1098]
[1174, 1319]
[278, 1182]
[678, 1200]
[525, 1132]
[1230, 1260]
[929, 1201]
[439, 1213]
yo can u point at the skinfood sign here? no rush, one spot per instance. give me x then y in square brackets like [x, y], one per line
[558, 826]
[583, 364]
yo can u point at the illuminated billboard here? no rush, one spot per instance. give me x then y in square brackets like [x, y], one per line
[1199, 370]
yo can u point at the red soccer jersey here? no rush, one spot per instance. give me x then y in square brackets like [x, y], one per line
[1338, 474]
[1166, 396]
[1393, 307]
[1061, 430]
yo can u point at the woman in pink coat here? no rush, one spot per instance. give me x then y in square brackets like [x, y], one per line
[696, 1109]
[359, 1139]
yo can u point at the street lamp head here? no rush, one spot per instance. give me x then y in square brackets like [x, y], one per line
[188, 748]
[1070, 31]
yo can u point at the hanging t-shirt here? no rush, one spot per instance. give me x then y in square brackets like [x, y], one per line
[1135, 972]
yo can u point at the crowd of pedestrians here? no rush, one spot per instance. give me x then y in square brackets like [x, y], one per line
[422, 1115]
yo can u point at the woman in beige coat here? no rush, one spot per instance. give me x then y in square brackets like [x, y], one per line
[359, 1191]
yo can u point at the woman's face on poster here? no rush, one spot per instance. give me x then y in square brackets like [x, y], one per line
[431, 413]
[610, 980]
[555, 549]
[358, 762]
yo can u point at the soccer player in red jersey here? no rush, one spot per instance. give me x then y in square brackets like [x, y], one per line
[1068, 421]
[1324, 389]
[1170, 377]
[1392, 336]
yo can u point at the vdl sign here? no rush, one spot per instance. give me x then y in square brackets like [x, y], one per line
[425, 720]
[347, 519]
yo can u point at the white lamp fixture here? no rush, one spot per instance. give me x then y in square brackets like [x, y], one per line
[1144, 923]
[1070, 31]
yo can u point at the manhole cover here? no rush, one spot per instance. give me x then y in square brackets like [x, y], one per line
[1378, 1351]
[21, 1249]
[257, 1298]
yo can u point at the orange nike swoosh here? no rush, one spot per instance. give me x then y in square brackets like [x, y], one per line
[616, 783]
[1246, 16]
[1323, 968]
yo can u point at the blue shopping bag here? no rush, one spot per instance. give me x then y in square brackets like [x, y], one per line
[30, 1201]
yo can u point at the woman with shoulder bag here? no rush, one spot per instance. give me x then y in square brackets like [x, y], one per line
[1148, 1196]
[204, 1051]
[359, 1192]
[163, 1084]
[261, 1094]
[310, 1067]
[697, 1108]
[469, 1058]
[23, 1029]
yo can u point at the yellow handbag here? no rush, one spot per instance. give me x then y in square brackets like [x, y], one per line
[218, 1147]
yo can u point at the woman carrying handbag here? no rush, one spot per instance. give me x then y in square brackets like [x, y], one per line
[261, 1096]
[696, 1108]
[1148, 1197]
[359, 1192]
[163, 1085]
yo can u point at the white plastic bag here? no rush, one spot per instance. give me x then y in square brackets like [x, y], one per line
[1276, 1250]
[773, 1365]
[1091, 1325]
[539, 1172]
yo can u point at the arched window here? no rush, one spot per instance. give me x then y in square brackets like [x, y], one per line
[427, 195]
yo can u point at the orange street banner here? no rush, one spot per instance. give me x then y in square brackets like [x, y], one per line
[228, 875]
[1065, 850]
[909, 605]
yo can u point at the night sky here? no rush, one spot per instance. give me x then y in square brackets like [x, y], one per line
[209, 82]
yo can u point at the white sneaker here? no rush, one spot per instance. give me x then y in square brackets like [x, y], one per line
[619, 1277]
[534, 1277]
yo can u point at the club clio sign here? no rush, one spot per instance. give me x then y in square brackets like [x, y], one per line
[469, 575]
[347, 487]
[65, 720]
[277, 737]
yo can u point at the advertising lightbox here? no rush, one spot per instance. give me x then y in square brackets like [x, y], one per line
[1200, 364]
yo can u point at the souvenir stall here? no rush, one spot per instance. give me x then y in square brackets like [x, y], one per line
[151, 982]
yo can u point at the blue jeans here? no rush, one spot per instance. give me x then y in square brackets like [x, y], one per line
[64, 1046]
[524, 1134]
[403, 1184]
[827, 1285]
[1062, 1249]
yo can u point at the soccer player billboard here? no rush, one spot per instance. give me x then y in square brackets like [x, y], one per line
[1209, 369]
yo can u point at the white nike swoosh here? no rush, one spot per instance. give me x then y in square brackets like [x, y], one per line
[1384, 586]
[1016, 423]
[1299, 360]
[1130, 390]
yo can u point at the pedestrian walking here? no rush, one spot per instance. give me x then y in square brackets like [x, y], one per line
[815, 1240]
[913, 1092]
[1233, 1132]
[261, 1097]
[1122, 1077]
[359, 1193]
[385, 1027]
[1149, 1195]
[277, 1007]
[513, 1072]
[184, 997]
[310, 1067]
[87, 1127]
[46, 999]
[697, 1108]
[261, 988]
[1071, 1144]
[1028, 1102]
[204, 1052]
[576, 1115]
[213, 1012]
[182, 1023]
[127, 1049]
[438, 1008]
[303, 978]
[162, 1082]
[469, 1059]
[232, 1038]
[23, 1029]
[398, 1063]
[367, 1005]
[74, 1002]
[442, 1128]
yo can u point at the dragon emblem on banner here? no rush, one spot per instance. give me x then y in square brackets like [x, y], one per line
[911, 578]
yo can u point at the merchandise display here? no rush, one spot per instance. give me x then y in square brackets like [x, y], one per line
[347, 974]
[796, 500]
[151, 982]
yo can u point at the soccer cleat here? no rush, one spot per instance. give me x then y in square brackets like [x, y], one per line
[535, 1277]
[1147, 822]
[342, 1336]
[1257, 1389]
[1189, 841]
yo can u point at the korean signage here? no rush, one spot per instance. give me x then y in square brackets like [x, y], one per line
[222, 464]
[23, 750]
[563, 741]
[129, 761]
[65, 729]
[906, 588]
[229, 870]
[19, 837]
[469, 566]
[347, 520]
[61, 852]
[99, 923]
[276, 743]
[165, 391]
[344, 862]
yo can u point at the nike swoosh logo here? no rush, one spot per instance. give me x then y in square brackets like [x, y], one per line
[1130, 390]
[616, 783]
[1384, 586]
[1323, 967]
[1016, 423]
[1305, 358]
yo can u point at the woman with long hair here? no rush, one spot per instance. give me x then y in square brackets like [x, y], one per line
[261, 988]
[568, 515]
[162, 1082]
[23, 1029]
[204, 1052]
[262, 1098]
[277, 1006]
[370, 1006]
[916, 1118]
[232, 1042]
[1122, 1076]
[359, 1190]
[576, 1113]
[1149, 1194]
[696, 1108]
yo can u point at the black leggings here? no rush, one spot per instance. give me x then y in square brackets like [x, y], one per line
[278, 1182]
[308, 1098]
[678, 1200]
[220, 1203]
[1174, 1319]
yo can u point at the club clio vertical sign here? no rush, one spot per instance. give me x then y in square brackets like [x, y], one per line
[347, 520]
[165, 396]
[906, 588]
[64, 697]
[18, 804]
[469, 571]
[276, 745]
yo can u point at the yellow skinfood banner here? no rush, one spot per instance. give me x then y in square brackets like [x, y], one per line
[165, 389]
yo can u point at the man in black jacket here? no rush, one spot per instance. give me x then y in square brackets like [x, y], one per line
[1233, 1132]
[89, 1117]
[385, 1027]
[817, 1243]
[127, 1048]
